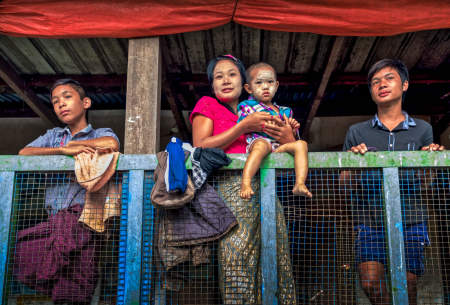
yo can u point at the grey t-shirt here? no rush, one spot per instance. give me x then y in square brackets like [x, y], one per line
[411, 134]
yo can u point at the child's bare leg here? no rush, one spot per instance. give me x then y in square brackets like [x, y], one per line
[300, 151]
[258, 151]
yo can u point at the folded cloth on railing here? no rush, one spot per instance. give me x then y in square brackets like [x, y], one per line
[176, 177]
[205, 161]
[205, 219]
[93, 171]
[102, 200]
[58, 257]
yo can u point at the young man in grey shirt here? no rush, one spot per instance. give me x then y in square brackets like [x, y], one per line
[391, 129]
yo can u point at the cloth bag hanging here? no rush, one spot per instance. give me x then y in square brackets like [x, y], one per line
[168, 200]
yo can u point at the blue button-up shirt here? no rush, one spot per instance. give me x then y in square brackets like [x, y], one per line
[58, 136]
[65, 192]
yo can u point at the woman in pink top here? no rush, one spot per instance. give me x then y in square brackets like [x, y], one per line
[214, 125]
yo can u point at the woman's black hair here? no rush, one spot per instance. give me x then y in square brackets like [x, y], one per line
[213, 62]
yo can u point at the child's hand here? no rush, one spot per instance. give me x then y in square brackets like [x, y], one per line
[294, 123]
[74, 150]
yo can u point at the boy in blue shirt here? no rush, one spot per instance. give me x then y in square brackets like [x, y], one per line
[39, 249]
[262, 86]
[70, 104]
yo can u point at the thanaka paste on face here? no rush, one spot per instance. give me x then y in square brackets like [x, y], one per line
[264, 75]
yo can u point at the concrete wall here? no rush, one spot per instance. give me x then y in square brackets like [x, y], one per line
[327, 133]
[18, 132]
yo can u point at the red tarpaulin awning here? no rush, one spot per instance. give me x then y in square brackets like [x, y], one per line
[138, 18]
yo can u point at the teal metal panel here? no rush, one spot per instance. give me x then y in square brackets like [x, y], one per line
[274, 160]
[67, 163]
[134, 237]
[394, 227]
[6, 198]
[268, 237]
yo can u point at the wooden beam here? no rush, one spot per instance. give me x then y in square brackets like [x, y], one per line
[103, 81]
[171, 96]
[335, 54]
[177, 114]
[16, 83]
[439, 126]
[142, 114]
[97, 81]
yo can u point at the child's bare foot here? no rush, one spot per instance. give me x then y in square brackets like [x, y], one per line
[302, 190]
[246, 191]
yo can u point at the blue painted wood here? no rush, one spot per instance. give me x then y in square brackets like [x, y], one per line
[148, 267]
[6, 198]
[394, 227]
[268, 237]
[134, 237]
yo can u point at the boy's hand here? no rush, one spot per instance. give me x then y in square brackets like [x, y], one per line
[359, 149]
[72, 143]
[74, 149]
[102, 143]
[433, 147]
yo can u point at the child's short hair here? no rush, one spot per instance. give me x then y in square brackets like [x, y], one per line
[72, 83]
[255, 66]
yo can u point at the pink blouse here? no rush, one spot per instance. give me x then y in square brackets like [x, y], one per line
[223, 119]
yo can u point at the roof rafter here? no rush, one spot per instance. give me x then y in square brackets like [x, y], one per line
[336, 51]
[177, 114]
[440, 126]
[16, 83]
[119, 80]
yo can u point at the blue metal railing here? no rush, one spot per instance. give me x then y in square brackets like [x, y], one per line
[135, 261]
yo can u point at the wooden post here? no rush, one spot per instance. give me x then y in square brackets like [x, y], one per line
[142, 116]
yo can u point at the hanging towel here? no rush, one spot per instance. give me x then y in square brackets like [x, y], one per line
[102, 201]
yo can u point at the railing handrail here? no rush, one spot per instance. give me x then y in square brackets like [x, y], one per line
[315, 159]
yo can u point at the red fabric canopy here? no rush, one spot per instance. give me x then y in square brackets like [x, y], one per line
[345, 17]
[138, 18]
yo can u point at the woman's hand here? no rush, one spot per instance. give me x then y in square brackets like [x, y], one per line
[256, 122]
[281, 131]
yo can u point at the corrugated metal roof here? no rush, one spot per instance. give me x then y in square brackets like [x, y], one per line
[296, 54]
